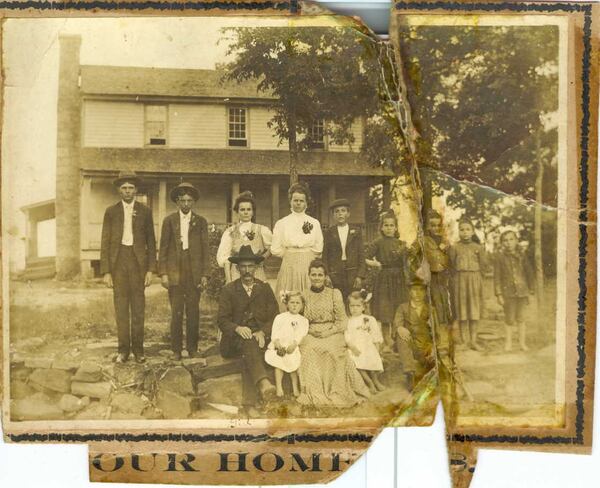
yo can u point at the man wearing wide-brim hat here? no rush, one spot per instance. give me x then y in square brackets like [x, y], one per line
[127, 261]
[343, 250]
[184, 267]
[247, 307]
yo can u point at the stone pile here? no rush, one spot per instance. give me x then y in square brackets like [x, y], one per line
[86, 385]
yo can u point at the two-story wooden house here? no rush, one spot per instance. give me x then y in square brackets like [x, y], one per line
[171, 125]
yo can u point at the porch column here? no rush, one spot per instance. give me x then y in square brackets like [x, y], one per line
[330, 199]
[274, 202]
[235, 191]
[86, 196]
[162, 205]
[84, 225]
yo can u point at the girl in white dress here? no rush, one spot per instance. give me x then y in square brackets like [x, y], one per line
[364, 340]
[297, 239]
[245, 233]
[283, 353]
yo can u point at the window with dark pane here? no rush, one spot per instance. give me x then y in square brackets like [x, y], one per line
[237, 127]
[316, 135]
[156, 125]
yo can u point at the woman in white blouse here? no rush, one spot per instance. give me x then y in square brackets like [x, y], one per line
[245, 233]
[297, 239]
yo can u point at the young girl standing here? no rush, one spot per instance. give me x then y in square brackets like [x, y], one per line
[363, 337]
[466, 260]
[388, 255]
[289, 328]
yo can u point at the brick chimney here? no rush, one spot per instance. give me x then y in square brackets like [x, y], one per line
[68, 145]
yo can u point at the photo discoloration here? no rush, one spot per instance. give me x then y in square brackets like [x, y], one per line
[273, 235]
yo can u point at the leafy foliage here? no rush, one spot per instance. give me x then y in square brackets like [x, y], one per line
[313, 74]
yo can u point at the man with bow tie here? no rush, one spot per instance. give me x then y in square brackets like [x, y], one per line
[247, 307]
[343, 251]
[127, 261]
[184, 267]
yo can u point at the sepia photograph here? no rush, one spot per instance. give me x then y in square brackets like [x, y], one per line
[201, 223]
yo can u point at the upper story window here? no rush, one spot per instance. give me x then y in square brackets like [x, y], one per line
[316, 135]
[238, 128]
[155, 119]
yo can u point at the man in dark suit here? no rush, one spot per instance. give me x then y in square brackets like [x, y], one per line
[184, 266]
[127, 261]
[343, 251]
[247, 307]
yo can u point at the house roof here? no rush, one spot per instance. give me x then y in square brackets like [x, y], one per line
[166, 82]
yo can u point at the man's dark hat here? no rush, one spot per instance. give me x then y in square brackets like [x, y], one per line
[340, 202]
[184, 188]
[127, 177]
[246, 254]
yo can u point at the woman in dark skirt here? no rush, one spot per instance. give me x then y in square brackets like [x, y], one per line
[388, 254]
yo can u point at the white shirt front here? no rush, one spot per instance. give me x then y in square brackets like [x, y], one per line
[289, 234]
[248, 288]
[127, 238]
[343, 233]
[184, 226]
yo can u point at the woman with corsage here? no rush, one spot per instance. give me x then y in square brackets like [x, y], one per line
[245, 233]
[297, 239]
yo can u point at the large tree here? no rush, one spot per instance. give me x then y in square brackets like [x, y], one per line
[313, 74]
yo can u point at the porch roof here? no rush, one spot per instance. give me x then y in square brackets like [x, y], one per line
[224, 161]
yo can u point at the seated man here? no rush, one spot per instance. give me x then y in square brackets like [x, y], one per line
[247, 307]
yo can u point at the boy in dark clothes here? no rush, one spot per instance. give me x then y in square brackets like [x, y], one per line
[513, 283]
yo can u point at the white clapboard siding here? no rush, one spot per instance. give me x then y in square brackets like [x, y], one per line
[197, 126]
[261, 136]
[113, 124]
[357, 131]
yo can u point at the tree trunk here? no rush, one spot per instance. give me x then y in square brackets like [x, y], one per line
[293, 145]
[426, 177]
[539, 264]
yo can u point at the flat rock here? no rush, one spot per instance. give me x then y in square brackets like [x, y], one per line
[225, 390]
[124, 416]
[66, 364]
[16, 359]
[128, 403]
[215, 367]
[177, 380]
[70, 403]
[128, 373]
[29, 343]
[173, 405]
[94, 411]
[19, 389]
[51, 379]
[99, 390]
[88, 372]
[19, 373]
[152, 413]
[39, 362]
[35, 407]
[102, 344]
[199, 362]
[165, 353]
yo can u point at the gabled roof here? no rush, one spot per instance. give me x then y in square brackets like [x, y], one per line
[166, 82]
